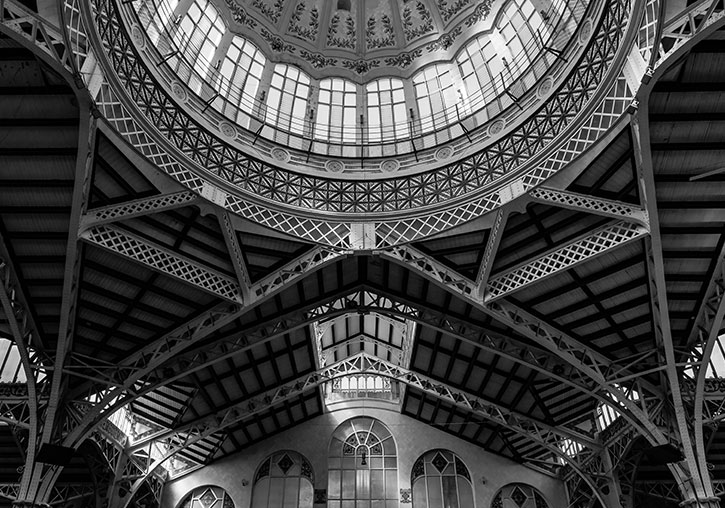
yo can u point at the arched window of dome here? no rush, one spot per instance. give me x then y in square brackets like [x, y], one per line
[386, 112]
[336, 107]
[518, 495]
[362, 465]
[207, 496]
[156, 16]
[285, 478]
[197, 39]
[287, 100]
[480, 65]
[440, 479]
[240, 74]
[436, 96]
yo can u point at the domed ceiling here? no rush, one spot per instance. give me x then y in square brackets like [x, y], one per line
[360, 36]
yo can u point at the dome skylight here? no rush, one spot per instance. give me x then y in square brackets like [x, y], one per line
[363, 81]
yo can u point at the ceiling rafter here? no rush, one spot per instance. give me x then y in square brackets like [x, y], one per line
[176, 439]
[43, 477]
[235, 252]
[563, 258]
[590, 204]
[489, 254]
[164, 260]
[136, 208]
[687, 473]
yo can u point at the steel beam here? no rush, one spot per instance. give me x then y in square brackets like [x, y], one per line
[28, 25]
[489, 255]
[235, 252]
[590, 204]
[136, 208]
[175, 440]
[164, 260]
[692, 482]
[683, 27]
[17, 317]
[43, 478]
[563, 258]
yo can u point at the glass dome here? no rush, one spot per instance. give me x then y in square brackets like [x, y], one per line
[360, 78]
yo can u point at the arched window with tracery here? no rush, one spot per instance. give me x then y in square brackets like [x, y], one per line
[518, 495]
[362, 465]
[207, 496]
[285, 479]
[440, 479]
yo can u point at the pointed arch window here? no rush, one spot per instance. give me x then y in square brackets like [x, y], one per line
[362, 465]
[440, 479]
[285, 479]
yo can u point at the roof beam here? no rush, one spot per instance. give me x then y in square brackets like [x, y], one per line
[489, 255]
[177, 439]
[235, 252]
[136, 208]
[590, 204]
[563, 258]
[687, 475]
[44, 478]
[164, 260]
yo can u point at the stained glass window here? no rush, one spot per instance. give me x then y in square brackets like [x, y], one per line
[207, 496]
[440, 479]
[518, 495]
[284, 479]
[362, 465]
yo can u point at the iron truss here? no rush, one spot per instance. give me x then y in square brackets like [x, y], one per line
[173, 441]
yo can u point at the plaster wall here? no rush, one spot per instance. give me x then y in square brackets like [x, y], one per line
[413, 438]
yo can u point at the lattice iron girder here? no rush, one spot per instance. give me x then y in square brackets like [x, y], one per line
[303, 265]
[16, 316]
[136, 208]
[489, 255]
[574, 352]
[13, 410]
[175, 440]
[44, 476]
[592, 365]
[590, 204]
[665, 490]
[563, 258]
[9, 490]
[235, 252]
[71, 492]
[697, 485]
[28, 25]
[117, 387]
[164, 260]
[19, 301]
[684, 26]
[708, 323]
